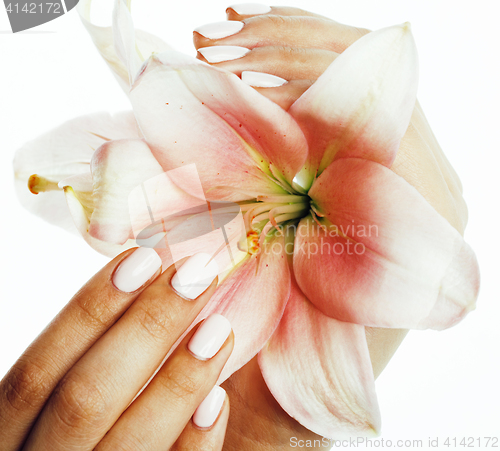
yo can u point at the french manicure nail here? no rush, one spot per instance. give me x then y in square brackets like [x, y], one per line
[208, 411]
[210, 337]
[219, 53]
[250, 8]
[219, 30]
[195, 275]
[136, 269]
[261, 79]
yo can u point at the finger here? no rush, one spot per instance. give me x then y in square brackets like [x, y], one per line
[211, 439]
[285, 62]
[244, 11]
[90, 313]
[183, 382]
[105, 380]
[287, 94]
[288, 31]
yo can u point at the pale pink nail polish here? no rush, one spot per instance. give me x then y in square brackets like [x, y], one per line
[195, 275]
[209, 337]
[261, 80]
[136, 269]
[209, 409]
[220, 53]
[219, 30]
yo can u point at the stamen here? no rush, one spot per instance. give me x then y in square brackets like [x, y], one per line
[289, 216]
[283, 199]
[261, 217]
[323, 227]
[38, 184]
[253, 213]
[296, 210]
[264, 233]
[313, 208]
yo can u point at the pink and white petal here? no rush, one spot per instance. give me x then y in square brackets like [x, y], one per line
[388, 259]
[40, 164]
[50, 205]
[114, 43]
[78, 204]
[190, 112]
[118, 168]
[319, 371]
[362, 104]
[253, 298]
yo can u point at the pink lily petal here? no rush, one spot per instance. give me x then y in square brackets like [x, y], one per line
[118, 167]
[80, 204]
[362, 104]
[63, 152]
[319, 371]
[252, 298]
[114, 43]
[389, 260]
[190, 112]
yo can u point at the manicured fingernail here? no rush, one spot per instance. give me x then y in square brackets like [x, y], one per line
[221, 53]
[208, 411]
[244, 9]
[261, 79]
[219, 30]
[136, 269]
[195, 275]
[210, 337]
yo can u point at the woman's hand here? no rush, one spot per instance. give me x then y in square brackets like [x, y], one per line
[74, 387]
[298, 46]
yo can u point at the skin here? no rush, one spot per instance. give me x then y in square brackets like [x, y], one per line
[72, 387]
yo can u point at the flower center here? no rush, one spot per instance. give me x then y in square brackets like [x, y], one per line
[271, 212]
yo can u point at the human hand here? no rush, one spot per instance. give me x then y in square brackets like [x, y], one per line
[74, 387]
[298, 46]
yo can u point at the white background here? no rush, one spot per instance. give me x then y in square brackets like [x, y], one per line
[439, 384]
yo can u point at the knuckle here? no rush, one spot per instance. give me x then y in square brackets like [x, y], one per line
[294, 53]
[78, 404]
[183, 385]
[156, 315]
[26, 385]
[92, 312]
[275, 20]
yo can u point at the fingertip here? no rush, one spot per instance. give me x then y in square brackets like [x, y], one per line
[245, 10]
[209, 413]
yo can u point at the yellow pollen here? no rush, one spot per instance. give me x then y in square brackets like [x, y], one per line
[38, 184]
[253, 242]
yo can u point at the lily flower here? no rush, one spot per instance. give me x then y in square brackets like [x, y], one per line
[335, 240]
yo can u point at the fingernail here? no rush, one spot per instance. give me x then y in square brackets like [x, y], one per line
[250, 8]
[195, 275]
[209, 409]
[261, 79]
[219, 30]
[136, 269]
[210, 337]
[221, 53]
